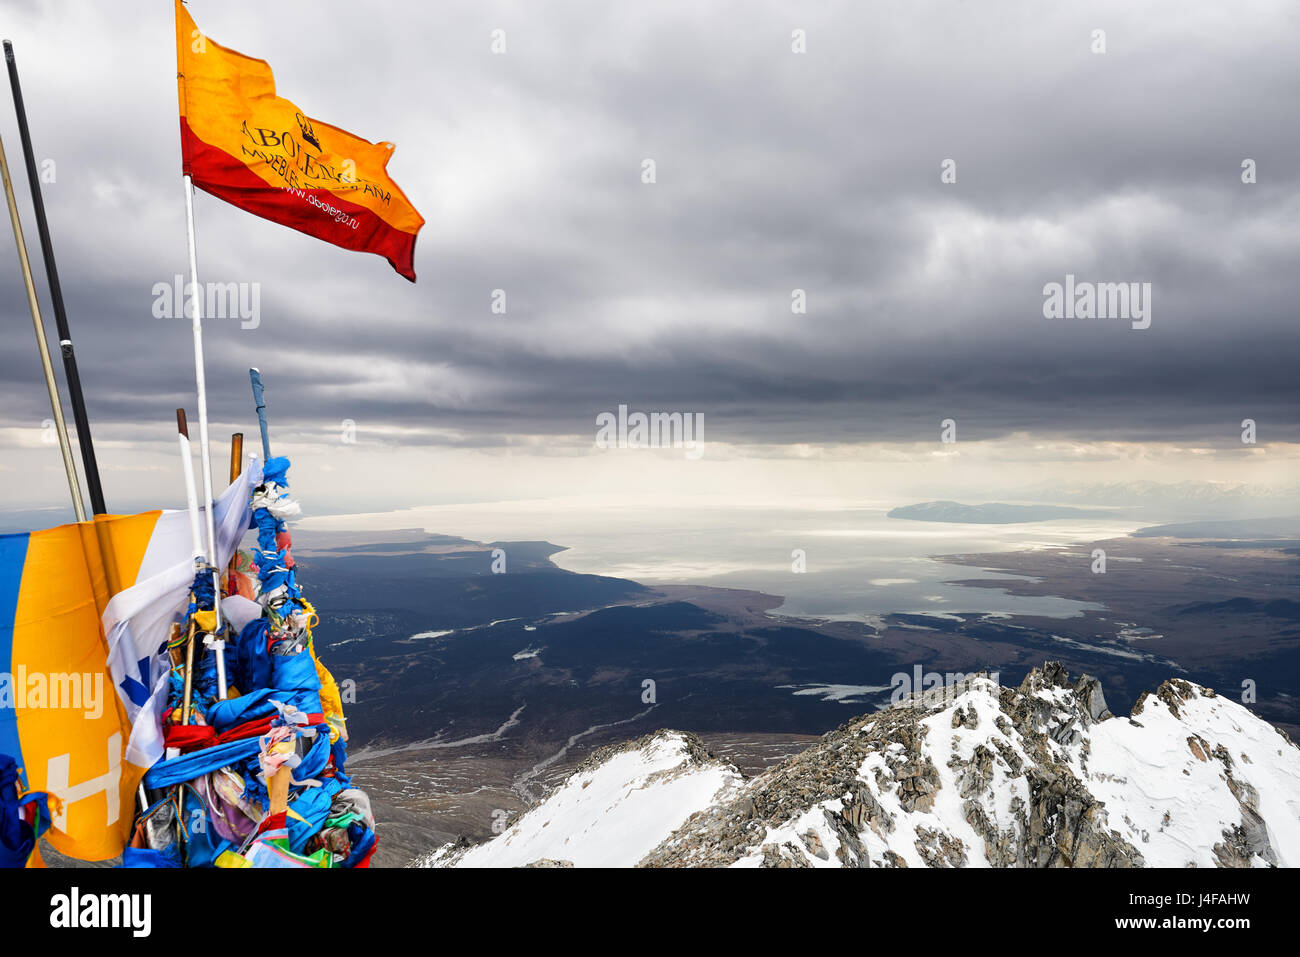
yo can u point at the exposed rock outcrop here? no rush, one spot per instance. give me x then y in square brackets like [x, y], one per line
[1042, 775]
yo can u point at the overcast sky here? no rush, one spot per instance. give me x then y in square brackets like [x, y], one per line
[775, 171]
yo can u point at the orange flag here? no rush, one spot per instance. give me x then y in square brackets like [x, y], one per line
[242, 143]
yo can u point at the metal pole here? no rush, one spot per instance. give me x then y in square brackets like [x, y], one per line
[75, 396]
[60, 426]
[205, 453]
[259, 400]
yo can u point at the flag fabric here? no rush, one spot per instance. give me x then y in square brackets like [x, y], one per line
[138, 619]
[72, 701]
[255, 150]
[59, 718]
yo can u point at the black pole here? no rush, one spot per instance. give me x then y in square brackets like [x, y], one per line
[56, 294]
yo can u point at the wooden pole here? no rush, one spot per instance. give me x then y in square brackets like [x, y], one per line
[236, 467]
[277, 791]
[236, 455]
[189, 675]
[60, 427]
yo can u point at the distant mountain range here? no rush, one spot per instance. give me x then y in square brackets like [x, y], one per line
[1246, 528]
[1152, 501]
[990, 513]
[1190, 496]
[976, 774]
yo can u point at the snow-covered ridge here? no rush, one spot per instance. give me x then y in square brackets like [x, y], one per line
[620, 803]
[1037, 776]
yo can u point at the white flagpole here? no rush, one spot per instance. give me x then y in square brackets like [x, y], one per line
[191, 494]
[196, 305]
[196, 540]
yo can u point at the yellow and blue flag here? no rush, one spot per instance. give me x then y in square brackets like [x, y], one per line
[85, 613]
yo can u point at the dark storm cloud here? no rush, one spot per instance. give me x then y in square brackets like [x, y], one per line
[776, 171]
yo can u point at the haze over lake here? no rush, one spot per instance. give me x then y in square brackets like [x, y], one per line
[859, 564]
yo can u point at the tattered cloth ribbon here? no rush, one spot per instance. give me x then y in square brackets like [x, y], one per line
[275, 499]
[193, 737]
[278, 750]
[278, 745]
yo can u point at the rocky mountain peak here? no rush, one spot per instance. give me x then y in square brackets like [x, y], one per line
[976, 774]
